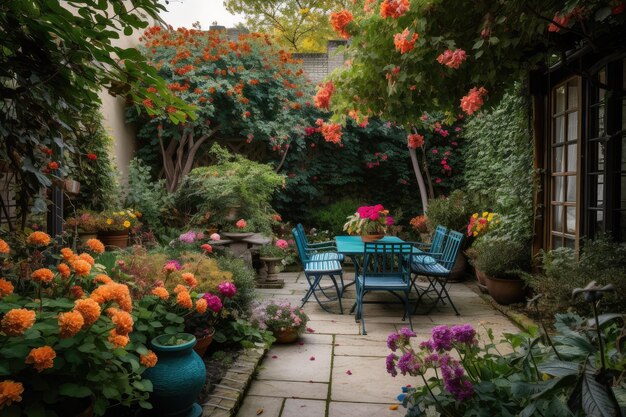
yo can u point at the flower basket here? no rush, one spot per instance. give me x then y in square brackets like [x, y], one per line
[114, 239]
[371, 238]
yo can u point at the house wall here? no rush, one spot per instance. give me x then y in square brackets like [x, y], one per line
[318, 66]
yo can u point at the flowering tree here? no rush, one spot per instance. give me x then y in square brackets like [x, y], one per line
[407, 57]
[247, 88]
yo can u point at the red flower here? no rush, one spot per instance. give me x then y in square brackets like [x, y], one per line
[618, 9]
[151, 90]
[207, 248]
[47, 151]
[331, 132]
[452, 59]
[53, 165]
[560, 20]
[148, 103]
[405, 43]
[339, 21]
[473, 101]
[92, 156]
[394, 8]
[415, 140]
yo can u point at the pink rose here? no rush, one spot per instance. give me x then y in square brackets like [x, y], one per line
[282, 243]
[213, 302]
[375, 216]
[215, 236]
[241, 223]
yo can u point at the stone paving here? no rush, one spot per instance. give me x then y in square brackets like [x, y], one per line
[336, 372]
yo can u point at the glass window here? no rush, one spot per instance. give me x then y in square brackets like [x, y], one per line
[559, 126]
[571, 188]
[557, 221]
[560, 99]
[558, 189]
[572, 158]
[571, 220]
[558, 159]
[572, 95]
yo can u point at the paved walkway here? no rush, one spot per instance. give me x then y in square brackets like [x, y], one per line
[334, 371]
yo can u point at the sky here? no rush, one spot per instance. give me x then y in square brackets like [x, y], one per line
[185, 12]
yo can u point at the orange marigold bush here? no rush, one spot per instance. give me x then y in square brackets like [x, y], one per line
[67, 254]
[190, 279]
[102, 279]
[6, 287]
[183, 299]
[70, 323]
[89, 309]
[201, 306]
[42, 275]
[64, 270]
[149, 359]
[15, 322]
[41, 358]
[87, 258]
[81, 267]
[122, 320]
[10, 392]
[339, 21]
[118, 340]
[161, 292]
[38, 239]
[95, 245]
[113, 291]
[4, 247]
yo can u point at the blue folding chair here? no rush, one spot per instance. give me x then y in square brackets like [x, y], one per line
[435, 246]
[436, 267]
[325, 250]
[386, 267]
[314, 271]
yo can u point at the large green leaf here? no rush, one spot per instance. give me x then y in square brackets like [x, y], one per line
[559, 368]
[73, 390]
[595, 397]
[620, 396]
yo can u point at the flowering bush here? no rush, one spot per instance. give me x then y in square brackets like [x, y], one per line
[369, 220]
[279, 315]
[480, 224]
[85, 221]
[66, 332]
[278, 249]
[209, 309]
[119, 220]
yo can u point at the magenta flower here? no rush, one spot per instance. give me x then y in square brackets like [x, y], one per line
[227, 289]
[171, 266]
[464, 333]
[389, 221]
[442, 338]
[390, 361]
[213, 302]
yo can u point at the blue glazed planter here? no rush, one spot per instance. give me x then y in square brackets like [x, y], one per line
[177, 378]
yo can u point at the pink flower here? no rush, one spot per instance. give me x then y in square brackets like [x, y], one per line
[437, 180]
[435, 151]
[375, 216]
[215, 236]
[282, 243]
[207, 248]
[309, 131]
[452, 59]
[227, 289]
[415, 140]
[171, 266]
[241, 223]
[389, 221]
[213, 302]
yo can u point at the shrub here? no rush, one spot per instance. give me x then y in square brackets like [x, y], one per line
[500, 257]
[333, 217]
[243, 277]
[453, 211]
[601, 260]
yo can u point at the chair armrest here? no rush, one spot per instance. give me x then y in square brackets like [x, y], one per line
[320, 250]
[318, 244]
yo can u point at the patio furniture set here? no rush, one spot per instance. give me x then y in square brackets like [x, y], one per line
[385, 265]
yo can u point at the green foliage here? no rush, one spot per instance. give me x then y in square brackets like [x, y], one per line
[55, 61]
[333, 217]
[242, 332]
[148, 196]
[208, 194]
[244, 279]
[453, 211]
[501, 257]
[499, 164]
[601, 260]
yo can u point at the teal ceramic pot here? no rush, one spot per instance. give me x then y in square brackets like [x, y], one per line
[177, 378]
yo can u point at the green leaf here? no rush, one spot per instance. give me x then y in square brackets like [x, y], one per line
[479, 43]
[73, 390]
[620, 396]
[128, 31]
[35, 410]
[143, 385]
[595, 397]
[145, 405]
[559, 368]
[109, 391]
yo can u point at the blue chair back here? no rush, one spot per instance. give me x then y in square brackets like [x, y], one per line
[436, 244]
[300, 246]
[451, 249]
[300, 228]
[388, 259]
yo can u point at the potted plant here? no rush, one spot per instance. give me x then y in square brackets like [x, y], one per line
[285, 321]
[502, 260]
[272, 254]
[84, 225]
[238, 230]
[178, 376]
[371, 222]
[114, 226]
[65, 333]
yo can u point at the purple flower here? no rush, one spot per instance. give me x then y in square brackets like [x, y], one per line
[464, 333]
[406, 332]
[432, 360]
[427, 345]
[454, 379]
[409, 364]
[227, 289]
[188, 237]
[389, 221]
[392, 340]
[391, 364]
[213, 302]
[442, 338]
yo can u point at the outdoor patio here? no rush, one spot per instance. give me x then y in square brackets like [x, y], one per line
[333, 371]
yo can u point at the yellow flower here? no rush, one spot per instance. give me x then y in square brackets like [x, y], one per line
[109, 221]
[475, 215]
[126, 224]
[485, 213]
[490, 217]
[132, 215]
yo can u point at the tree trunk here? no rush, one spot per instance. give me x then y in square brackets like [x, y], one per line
[420, 179]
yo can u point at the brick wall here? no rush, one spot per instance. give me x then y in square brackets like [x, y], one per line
[318, 65]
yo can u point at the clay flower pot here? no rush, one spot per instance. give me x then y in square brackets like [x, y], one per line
[286, 336]
[371, 238]
[506, 291]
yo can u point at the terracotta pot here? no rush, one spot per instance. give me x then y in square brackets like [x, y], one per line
[458, 270]
[506, 291]
[286, 336]
[480, 277]
[371, 238]
[114, 239]
[203, 344]
[85, 236]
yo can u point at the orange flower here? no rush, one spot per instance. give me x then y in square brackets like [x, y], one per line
[118, 340]
[81, 267]
[122, 320]
[38, 239]
[473, 101]
[190, 279]
[64, 270]
[161, 292]
[149, 359]
[405, 43]
[113, 292]
[42, 275]
[179, 288]
[6, 287]
[4, 247]
[102, 278]
[70, 323]
[95, 245]
[339, 20]
[183, 299]
[10, 392]
[42, 358]
[415, 140]
[87, 258]
[201, 306]
[331, 132]
[452, 59]
[394, 8]
[77, 291]
[15, 322]
[67, 254]
[89, 309]
[323, 96]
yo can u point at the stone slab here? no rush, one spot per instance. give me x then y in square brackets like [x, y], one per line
[289, 389]
[294, 362]
[304, 408]
[253, 404]
[346, 409]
